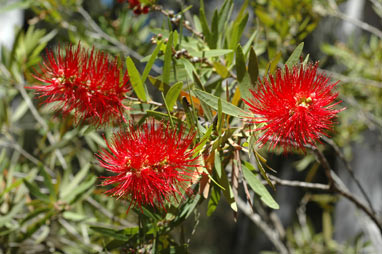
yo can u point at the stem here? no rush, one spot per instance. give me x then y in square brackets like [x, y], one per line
[168, 111]
[335, 185]
[350, 170]
[268, 231]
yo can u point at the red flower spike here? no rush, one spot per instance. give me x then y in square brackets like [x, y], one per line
[89, 84]
[152, 164]
[137, 6]
[297, 107]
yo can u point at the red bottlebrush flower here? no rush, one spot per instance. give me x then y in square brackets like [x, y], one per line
[297, 107]
[137, 6]
[152, 164]
[89, 84]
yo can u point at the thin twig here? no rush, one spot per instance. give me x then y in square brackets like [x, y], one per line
[367, 115]
[290, 183]
[42, 122]
[335, 186]
[354, 80]
[27, 155]
[147, 102]
[175, 21]
[71, 230]
[356, 22]
[108, 214]
[349, 169]
[268, 231]
[112, 40]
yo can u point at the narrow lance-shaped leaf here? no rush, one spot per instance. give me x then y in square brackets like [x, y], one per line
[212, 101]
[214, 30]
[220, 117]
[114, 234]
[74, 183]
[48, 183]
[151, 61]
[35, 191]
[80, 191]
[211, 52]
[167, 61]
[203, 141]
[214, 200]
[204, 24]
[294, 58]
[259, 188]
[242, 75]
[253, 67]
[135, 79]
[223, 181]
[221, 69]
[240, 63]
[173, 94]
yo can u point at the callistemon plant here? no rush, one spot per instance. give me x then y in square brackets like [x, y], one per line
[161, 134]
[151, 165]
[86, 82]
[295, 107]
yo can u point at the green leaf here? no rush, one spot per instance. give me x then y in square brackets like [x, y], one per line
[272, 65]
[135, 79]
[214, 200]
[220, 117]
[212, 101]
[12, 213]
[161, 116]
[239, 25]
[35, 213]
[241, 67]
[249, 43]
[264, 17]
[253, 67]
[75, 181]
[306, 60]
[48, 183]
[242, 75]
[35, 191]
[197, 80]
[259, 188]
[211, 53]
[37, 225]
[20, 111]
[203, 23]
[80, 191]
[188, 207]
[151, 61]
[14, 184]
[223, 181]
[173, 94]
[188, 66]
[218, 166]
[224, 14]
[295, 57]
[214, 30]
[123, 235]
[74, 216]
[168, 110]
[167, 61]
[245, 86]
[221, 69]
[259, 158]
[203, 141]
[15, 5]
